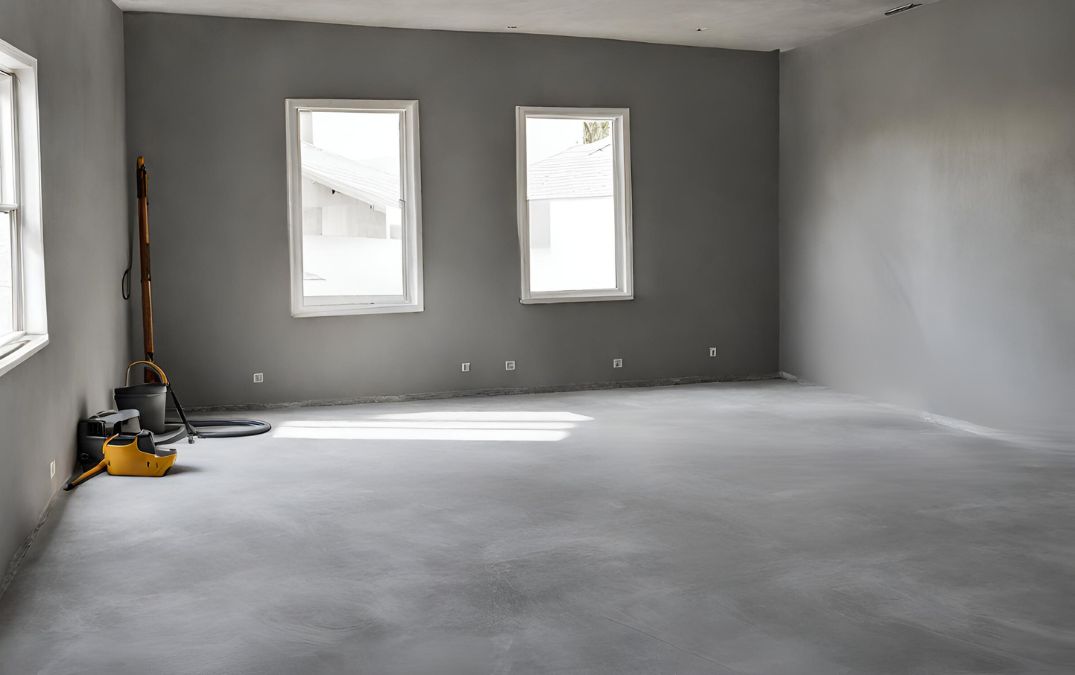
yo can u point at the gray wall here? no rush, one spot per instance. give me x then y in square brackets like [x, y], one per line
[79, 48]
[206, 107]
[927, 233]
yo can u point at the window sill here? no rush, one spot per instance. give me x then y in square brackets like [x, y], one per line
[545, 299]
[30, 345]
[354, 310]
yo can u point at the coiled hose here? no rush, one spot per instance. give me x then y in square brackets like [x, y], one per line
[228, 428]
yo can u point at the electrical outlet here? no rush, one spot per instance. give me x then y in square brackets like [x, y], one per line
[466, 367]
[259, 378]
[617, 363]
[52, 469]
[509, 365]
[712, 352]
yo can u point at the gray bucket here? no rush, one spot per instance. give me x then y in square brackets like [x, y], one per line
[148, 399]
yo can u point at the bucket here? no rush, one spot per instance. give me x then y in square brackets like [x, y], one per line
[148, 399]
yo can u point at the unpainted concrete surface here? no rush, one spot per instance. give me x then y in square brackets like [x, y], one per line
[926, 227]
[768, 528]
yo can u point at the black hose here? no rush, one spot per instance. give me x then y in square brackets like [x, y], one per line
[236, 428]
[232, 428]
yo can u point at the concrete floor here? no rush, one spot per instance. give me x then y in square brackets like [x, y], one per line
[764, 528]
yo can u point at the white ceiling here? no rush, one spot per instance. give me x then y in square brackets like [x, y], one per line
[740, 24]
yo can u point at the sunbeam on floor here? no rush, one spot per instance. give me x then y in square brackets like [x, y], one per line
[521, 426]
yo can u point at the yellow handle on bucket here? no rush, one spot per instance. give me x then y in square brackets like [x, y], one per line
[148, 364]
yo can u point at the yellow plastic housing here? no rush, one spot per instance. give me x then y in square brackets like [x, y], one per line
[129, 460]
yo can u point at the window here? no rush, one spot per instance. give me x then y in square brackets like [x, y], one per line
[574, 192]
[23, 329]
[354, 196]
[9, 210]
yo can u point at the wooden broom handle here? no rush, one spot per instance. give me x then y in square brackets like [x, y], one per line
[142, 185]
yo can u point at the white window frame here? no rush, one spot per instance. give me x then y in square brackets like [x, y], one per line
[621, 143]
[411, 206]
[31, 317]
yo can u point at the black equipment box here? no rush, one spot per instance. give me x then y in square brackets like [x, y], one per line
[95, 430]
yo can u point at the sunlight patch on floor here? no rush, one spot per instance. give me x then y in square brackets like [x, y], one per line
[440, 426]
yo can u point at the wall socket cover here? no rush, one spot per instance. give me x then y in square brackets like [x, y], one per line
[259, 378]
[617, 363]
[466, 367]
[509, 365]
[712, 352]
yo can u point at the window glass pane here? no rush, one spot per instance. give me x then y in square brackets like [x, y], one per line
[570, 193]
[352, 220]
[7, 276]
[7, 139]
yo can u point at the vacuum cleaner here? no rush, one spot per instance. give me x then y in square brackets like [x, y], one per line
[123, 442]
[129, 454]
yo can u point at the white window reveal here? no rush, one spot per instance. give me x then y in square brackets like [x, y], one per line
[574, 201]
[355, 210]
[23, 319]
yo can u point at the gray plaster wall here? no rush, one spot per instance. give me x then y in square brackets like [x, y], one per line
[206, 107]
[79, 48]
[927, 238]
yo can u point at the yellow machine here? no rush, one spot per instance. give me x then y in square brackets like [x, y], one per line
[130, 455]
[135, 453]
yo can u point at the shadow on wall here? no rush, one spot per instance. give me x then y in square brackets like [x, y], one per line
[440, 426]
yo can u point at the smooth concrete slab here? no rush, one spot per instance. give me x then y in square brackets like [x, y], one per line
[766, 528]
